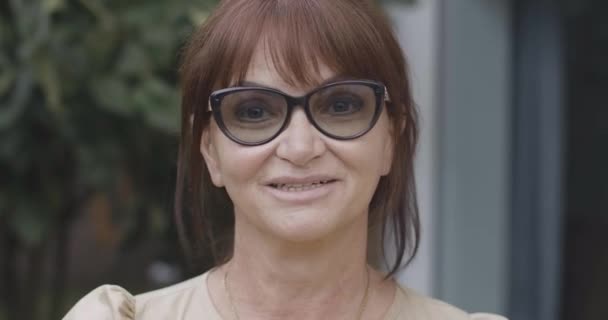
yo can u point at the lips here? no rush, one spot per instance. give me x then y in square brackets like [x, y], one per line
[301, 191]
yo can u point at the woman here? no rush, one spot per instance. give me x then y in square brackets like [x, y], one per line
[300, 112]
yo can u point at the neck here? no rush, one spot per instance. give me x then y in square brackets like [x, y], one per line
[321, 279]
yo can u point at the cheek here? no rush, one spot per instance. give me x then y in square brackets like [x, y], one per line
[241, 165]
[376, 151]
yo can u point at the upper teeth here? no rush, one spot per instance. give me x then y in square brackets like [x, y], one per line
[298, 185]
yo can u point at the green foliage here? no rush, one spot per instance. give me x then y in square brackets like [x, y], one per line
[88, 91]
[88, 106]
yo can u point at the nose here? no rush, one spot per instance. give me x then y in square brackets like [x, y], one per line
[300, 143]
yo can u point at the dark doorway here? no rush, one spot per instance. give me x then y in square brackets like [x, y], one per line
[585, 251]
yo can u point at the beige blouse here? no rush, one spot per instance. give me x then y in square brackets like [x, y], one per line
[190, 300]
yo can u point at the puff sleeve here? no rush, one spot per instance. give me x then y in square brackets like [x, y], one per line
[107, 302]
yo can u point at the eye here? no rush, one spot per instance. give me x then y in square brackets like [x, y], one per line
[343, 105]
[253, 112]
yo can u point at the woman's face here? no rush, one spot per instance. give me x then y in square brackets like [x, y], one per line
[302, 185]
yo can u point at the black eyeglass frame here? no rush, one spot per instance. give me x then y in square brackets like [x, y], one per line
[216, 97]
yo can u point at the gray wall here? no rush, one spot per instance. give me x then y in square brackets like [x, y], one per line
[461, 63]
[417, 29]
[474, 122]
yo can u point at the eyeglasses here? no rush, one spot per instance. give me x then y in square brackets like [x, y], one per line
[255, 115]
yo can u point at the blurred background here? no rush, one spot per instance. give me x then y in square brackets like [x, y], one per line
[512, 167]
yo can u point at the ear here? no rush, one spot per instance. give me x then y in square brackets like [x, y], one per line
[388, 150]
[210, 155]
[387, 156]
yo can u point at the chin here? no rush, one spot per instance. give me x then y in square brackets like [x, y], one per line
[302, 235]
[304, 226]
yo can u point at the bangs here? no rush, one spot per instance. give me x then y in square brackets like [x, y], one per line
[298, 37]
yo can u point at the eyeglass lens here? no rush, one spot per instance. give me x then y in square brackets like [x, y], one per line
[255, 115]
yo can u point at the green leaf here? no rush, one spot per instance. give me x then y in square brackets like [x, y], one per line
[100, 11]
[134, 61]
[112, 94]
[17, 102]
[159, 104]
[30, 223]
[7, 78]
[48, 78]
[145, 14]
[100, 43]
[197, 16]
[160, 42]
[52, 6]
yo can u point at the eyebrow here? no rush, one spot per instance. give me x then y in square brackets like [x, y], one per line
[324, 82]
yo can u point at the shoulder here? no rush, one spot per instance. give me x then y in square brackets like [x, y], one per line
[188, 299]
[110, 302]
[418, 306]
[105, 302]
[177, 290]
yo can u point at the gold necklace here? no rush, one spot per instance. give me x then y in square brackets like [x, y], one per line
[361, 306]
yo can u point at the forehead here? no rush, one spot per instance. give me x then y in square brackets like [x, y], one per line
[264, 70]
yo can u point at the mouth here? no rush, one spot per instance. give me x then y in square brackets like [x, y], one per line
[297, 187]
